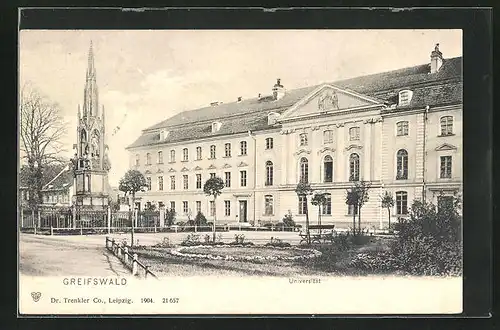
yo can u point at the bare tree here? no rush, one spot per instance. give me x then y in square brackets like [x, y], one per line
[41, 131]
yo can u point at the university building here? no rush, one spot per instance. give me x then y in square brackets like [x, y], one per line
[400, 130]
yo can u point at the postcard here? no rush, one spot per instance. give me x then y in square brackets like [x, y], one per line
[256, 172]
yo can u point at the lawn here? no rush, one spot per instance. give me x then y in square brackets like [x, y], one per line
[333, 261]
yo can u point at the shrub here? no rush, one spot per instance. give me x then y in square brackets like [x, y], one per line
[200, 219]
[288, 219]
[169, 217]
[239, 239]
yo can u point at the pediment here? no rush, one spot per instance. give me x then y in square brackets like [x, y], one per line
[212, 167]
[197, 168]
[147, 172]
[353, 146]
[159, 171]
[226, 166]
[329, 99]
[325, 149]
[172, 170]
[242, 164]
[184, 169]
[446, 146]
[302, 152]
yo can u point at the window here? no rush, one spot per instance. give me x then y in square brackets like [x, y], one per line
[198, 207]
[216, 126]
[172, 156]
[269, 173]
[227, 176]
[160, 157]
[304, 170]
[446, 125]
[137, 159]
[198, 153]
[268, 205]
[172, 182]
[354, 167]
[148, 159]
[351, 208]
[328, 169]
[148, 183]
[198, 181]
[227, 208]
[185, 154]
[212, 175]
[185, 208]
[243, 178]
[401, 202]
[172, 206]
[402, 128]
[212, 208]
[160, 183]
[445, 167]
[327, 136]
[327, 208]
[354, 134]
[212, 152]
[303, 139]
[227, 150]
[185, 180]
[302, 205]
[269, 143]
[402, 165]
[243, 148]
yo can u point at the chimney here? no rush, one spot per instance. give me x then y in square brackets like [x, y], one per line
[239, 99]
[278, 90]
[436, 59]
[214, 104]
[259, 96]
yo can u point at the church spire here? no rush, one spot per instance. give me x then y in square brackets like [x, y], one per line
[90, 97]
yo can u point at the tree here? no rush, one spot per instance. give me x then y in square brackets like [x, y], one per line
[41, 132]
[319, 199]
[213, 187]
[356, 197]
[303, 189]
[133, 181]
[387, 201]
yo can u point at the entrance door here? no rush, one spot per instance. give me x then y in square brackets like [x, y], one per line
[243, 211]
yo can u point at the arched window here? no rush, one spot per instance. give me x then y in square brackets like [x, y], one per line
[402, 165]
[137, 159]
[185, 154]
[446, 125]
[354, 167]
[401, 202]
[198, 153]
[328, 169]
[172, 156]
[148, 159]
[160, 157]
[243, 148]
[269, 173]
[83, 141]
[304, 170]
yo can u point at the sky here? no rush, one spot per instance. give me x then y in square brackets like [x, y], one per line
[146, 76]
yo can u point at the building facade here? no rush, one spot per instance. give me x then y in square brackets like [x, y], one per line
[400, 130]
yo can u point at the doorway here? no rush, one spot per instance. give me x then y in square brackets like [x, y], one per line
[243, 211]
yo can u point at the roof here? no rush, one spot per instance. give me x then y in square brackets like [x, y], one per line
[443, 87]
[62, 180]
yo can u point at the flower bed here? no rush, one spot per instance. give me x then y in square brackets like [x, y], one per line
[244, 253]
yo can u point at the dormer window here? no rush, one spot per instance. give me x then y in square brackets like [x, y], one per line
[163, 134]
[272, 118]
[405, 97]
[216, 126]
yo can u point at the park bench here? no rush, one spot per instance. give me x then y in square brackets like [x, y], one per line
[318, 237]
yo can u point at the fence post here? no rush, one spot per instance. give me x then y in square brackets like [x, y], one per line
[134, 264]
[107, 245]
[51, 230]
[73, 212]
[22, 217]
[195, 228]
[146, 271]
[113, 245]
[81, 230]
[39, 221]
[109, 219]
[119, 251]
[175, 228]
[125, 254]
